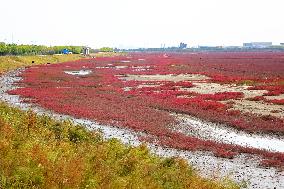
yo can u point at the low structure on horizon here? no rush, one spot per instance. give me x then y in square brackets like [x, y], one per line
[257, 45]
[66, 51]
[182, 45]
[86, 50]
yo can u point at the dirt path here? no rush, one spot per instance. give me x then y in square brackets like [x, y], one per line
[241, 168]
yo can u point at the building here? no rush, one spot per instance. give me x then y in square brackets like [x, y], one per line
[86, 50]
[257, 45]
[182, 45]
[282, 44]
[248, 45]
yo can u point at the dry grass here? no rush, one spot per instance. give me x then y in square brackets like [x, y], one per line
[12, 62]
[8, 63]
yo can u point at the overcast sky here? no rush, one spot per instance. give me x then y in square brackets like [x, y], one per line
[141, 23]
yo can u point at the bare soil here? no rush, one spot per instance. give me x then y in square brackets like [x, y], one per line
[259, 107]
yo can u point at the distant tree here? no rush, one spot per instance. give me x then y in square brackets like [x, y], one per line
[3, 48]
[106, 49]
[76, 49]
[14, 49]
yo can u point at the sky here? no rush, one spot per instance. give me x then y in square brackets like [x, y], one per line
[141, 23]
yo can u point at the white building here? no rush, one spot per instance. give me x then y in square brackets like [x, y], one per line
[86, 50]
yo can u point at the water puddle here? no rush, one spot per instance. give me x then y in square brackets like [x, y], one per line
[80, 72]
[217, 132]
[141, 68]
[121, 67]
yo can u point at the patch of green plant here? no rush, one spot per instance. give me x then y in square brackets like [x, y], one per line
[246, 82]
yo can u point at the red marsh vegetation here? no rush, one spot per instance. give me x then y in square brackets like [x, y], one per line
[139, 91]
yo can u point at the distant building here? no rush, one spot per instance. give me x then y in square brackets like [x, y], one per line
[257, 45]
[86, 50]
[210, 47]
[182, 45]
[281, 43]
[247, 45]
[232, 47]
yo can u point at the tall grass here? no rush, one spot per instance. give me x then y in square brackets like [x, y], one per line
[12, 62]
[38, 152]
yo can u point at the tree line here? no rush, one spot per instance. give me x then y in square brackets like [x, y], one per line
[14, 49]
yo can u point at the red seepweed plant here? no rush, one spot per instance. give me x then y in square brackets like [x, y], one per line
[107, 97]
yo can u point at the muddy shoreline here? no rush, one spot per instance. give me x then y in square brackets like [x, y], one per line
[193, 126]
[241, 168]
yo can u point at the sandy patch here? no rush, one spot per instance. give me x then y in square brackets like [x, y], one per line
[212, 88]
[141, 68]
[259, 107]
[127, 88]
[111, 67]
[279, 97]
[121, 67]
[169, 77]
[256, 107]
[146, 85]
[79, 72]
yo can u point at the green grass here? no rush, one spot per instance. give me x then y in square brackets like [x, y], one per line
[8, 63]
[38, 152]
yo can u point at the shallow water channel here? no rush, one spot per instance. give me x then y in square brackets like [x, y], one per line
[221, 133]
[79, 72]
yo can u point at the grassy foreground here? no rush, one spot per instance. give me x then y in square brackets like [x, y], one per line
[12, 62]
[39, 152]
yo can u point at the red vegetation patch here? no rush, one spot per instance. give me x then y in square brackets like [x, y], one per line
[276, 101]
[273, 90]
[222, 96]
[262, 98]
[257, 98]
[102, 95]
